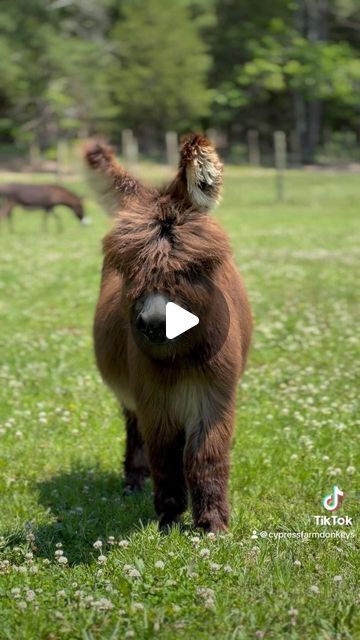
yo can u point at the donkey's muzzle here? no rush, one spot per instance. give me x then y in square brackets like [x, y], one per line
[150, 317]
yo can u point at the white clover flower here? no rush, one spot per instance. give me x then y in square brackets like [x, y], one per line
[338, 578]
[227, 568]
[195, 539]
[209, 603]
[205, 592]
[351, 470]
[297, 563]
[138, 606]
[123, 543]
[61, 593]
[22, 605]
[101, 559]
[58, 545]
[58, 553]
[30, 595]
[103, 604]
[134, 573]
[62, 560]
[159, 564]
[293, 612]
[97, 544]
[204, 553]
[15, 592]
[314, 589]
[215, 566]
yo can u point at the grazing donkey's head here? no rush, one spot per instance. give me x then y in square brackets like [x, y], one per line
[164, 243]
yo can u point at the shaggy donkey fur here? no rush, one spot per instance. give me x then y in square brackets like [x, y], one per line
[178, 396]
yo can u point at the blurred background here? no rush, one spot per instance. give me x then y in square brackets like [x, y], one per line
[141, 72]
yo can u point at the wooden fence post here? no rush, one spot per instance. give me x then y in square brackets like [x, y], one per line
[280, 162]
[62, 157]
[253, 147]
[34, 153]
[172, 153]
[130, 149]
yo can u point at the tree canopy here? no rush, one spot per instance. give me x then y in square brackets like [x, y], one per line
[77, 67]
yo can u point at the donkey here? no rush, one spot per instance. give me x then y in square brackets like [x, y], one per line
[178, 395]
[36, 196]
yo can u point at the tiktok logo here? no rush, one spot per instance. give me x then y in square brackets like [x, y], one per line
[334, 500]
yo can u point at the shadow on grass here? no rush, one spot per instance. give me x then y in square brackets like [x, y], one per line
[87, 505]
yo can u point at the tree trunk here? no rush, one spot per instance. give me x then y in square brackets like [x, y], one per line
[310, 20]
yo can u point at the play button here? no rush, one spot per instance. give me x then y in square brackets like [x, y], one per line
[178, 320]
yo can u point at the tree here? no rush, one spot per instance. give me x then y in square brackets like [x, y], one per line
[53, 69]
[159, 76]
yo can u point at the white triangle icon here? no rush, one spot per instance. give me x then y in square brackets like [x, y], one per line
[178, 320]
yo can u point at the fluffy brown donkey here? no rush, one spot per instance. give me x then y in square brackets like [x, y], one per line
[178, 395]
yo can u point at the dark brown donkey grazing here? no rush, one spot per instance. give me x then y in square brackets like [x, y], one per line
[178, 395]
[36, 196]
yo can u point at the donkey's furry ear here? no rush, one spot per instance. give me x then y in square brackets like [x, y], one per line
[109, 179]
[202, 170]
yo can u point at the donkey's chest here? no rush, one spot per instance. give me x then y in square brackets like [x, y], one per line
[182, 404]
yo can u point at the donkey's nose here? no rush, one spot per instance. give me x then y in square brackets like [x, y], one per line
[151, 319]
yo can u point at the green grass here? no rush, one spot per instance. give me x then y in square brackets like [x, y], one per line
[297, 435]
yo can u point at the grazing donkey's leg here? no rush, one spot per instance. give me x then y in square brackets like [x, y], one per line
[135, 464]
[170, 491]
[58, 220]
[45, 220]
[6, 212]
[206, 463]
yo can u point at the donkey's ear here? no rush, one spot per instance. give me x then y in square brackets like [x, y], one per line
[115, 185]
[201, 171]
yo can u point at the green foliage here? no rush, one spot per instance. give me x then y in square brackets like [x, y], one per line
[318, 70]
[161, 65]
[78, 68]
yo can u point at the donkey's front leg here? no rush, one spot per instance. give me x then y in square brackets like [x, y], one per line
[206, 462]
[135, 464]
[166, 464]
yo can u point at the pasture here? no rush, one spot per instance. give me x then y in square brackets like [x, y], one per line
[61, 436]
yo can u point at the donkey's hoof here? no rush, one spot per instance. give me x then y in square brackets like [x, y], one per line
[135, 486]
[213, 522]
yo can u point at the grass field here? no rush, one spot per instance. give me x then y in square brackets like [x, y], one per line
[62, 440]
